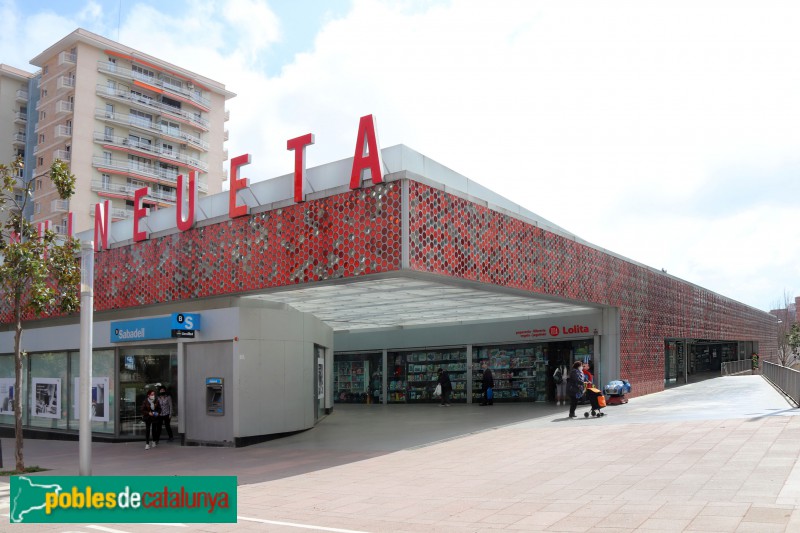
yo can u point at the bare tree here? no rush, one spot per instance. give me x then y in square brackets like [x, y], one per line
[786, 320]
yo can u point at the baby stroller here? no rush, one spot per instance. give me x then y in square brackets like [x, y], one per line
[598, 401]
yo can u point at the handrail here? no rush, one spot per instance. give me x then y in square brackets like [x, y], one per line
[785, 378]
[730, 368]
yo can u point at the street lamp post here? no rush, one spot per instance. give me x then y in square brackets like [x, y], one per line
[85, 389]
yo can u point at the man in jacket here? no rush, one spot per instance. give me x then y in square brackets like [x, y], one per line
[575, 386]
[488, 385]
[447, 387]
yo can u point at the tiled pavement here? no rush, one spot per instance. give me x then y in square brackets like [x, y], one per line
[717, 456]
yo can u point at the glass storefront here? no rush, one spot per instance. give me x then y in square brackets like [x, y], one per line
[358, 378]
[519, 372]
[142, 369]
[104, 401]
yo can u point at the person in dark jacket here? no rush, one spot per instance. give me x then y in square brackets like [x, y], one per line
[150, 412]
[165, 401]
[488, 385]
[447, 387]
[575, 386]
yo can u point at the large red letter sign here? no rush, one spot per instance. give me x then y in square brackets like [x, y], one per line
[236, 184]
[139, 212]
[188, 222]
[298, 144]
[368, 155]
[101, 225]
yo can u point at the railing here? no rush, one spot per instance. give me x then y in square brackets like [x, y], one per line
[63, 106]
[19, 116]
[731, 368]
[129, 190]
[114, 212]
[59, 206]
[785, 378]
[67, 57]
[128, 96]
[62, 155]
[112, 68]
[22, 96]
[65, 82]
[150, 149]
[62, 130]
[19, 137]
[148, 171]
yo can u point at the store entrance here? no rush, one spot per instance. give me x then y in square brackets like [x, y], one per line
[142, 369]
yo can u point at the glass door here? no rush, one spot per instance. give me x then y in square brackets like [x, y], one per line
[142, 369]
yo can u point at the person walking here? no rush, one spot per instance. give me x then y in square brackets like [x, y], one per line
[165, 402]
[488, 384]
[150, 411]
[447, 387]
[560, 379]
[575, 387]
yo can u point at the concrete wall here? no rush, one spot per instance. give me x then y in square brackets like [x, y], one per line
[208, 360]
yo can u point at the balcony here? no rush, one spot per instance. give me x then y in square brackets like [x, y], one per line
[22, 96]
[156, 107]
[19, 138]
[227, 115]
[115, 212]
[63, 131]
[59, 206]
[65, 82]
[151, 150]
[226, 135]
[67, 57]
[138, 170]
[129, 75]
[63, 155]
[20, 118]
[129, 190]
[63, 106]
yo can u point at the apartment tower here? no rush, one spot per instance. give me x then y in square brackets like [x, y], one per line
[14, 97]
[123, 120]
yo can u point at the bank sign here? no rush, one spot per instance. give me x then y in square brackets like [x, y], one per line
[177, 325]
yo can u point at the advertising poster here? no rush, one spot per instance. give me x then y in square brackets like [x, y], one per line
[46, 397]
[321, 378]
[6, 396]
[100, 402]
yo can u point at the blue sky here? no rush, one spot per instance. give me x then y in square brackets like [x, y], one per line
[666, 132]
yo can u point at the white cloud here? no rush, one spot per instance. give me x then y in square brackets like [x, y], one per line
[663, 131]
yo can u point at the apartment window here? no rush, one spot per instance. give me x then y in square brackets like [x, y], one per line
[142, 73]
[141, 119]
[107, 158]
[170, 128]
[136, 184]
[40, 162]
[111, 87]
[18, 199]
[170, 102]
[141, 142]
[112, 64]
[43, 94]
[142, 98]
[41, 138]
[42, 116]
[105, 179]
[109, 110]
[39, 184]
[45, 69]
[174, 83]
[167, 149]
[108, 134]
[37, 207]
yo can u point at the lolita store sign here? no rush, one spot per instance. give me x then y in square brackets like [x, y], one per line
[367, 157]
[553, 331]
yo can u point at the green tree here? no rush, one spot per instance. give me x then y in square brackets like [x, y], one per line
[38, 273]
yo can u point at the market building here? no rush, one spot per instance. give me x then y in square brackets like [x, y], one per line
[354, 282]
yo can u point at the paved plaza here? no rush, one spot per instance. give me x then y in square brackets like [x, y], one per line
[716, 456]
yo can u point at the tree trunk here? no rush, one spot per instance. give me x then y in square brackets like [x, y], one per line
[18, 388]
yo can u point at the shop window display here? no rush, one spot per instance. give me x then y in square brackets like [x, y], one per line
[520, 372]
[422, 377]
[358, 378]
